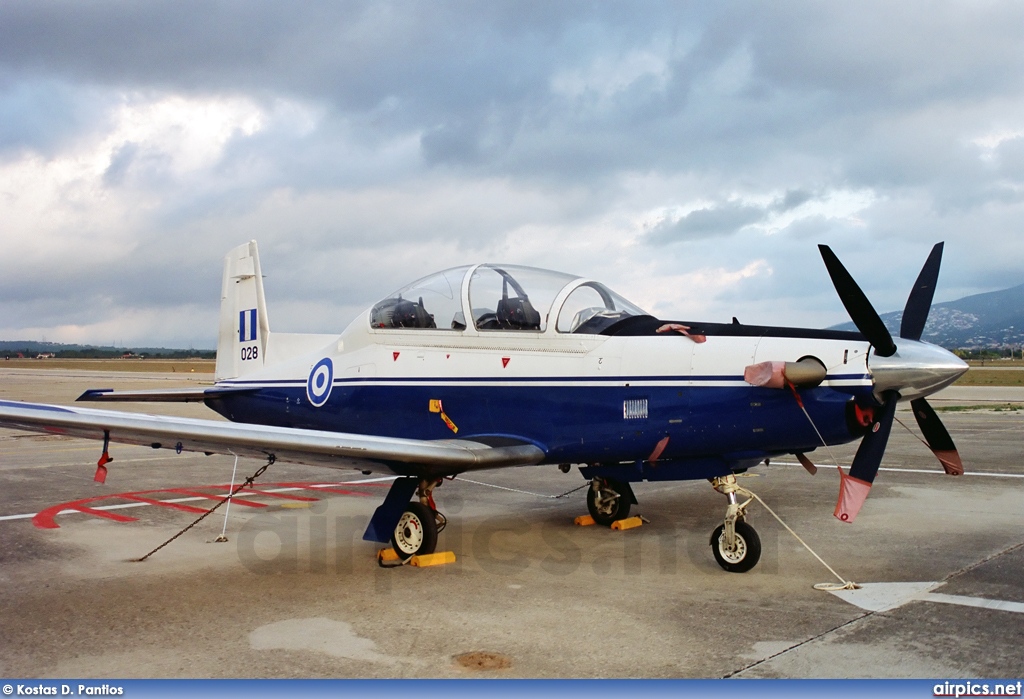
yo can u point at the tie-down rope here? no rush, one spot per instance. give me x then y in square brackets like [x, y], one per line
[827, 587]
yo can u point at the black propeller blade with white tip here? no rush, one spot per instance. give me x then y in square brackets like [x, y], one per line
[855, 487]
[938, 438]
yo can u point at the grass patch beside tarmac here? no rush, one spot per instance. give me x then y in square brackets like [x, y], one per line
[155, 366]
[1003, 408]
[992, 377]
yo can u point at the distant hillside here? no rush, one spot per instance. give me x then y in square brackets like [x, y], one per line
[31, 348]
[995, 319]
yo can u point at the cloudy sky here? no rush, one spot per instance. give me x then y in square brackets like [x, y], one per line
[690, 155]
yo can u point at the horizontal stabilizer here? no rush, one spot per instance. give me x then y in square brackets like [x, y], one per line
[159, 395]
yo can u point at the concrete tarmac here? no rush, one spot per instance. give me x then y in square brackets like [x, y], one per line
[295, 592]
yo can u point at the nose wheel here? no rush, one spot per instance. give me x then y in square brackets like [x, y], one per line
[735, 544]
[745, 551]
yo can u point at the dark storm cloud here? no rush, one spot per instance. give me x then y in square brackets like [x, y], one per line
[722, 219]
[352, 54]
[742, 83]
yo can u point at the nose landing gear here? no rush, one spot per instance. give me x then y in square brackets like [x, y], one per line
[735, 544]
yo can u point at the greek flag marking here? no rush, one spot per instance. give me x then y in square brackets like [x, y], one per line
[247, 325]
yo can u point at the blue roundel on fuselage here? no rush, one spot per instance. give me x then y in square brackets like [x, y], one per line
[320, 381]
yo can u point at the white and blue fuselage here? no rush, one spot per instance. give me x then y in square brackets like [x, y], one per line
[585, 384]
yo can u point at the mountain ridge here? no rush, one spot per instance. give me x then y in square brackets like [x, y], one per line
[994, 319]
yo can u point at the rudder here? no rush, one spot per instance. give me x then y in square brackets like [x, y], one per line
[244, 326]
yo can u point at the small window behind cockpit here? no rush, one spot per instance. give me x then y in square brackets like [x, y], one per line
[591, 308]
[434, 302]
[510, 297]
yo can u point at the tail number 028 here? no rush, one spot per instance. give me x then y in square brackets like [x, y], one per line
[250, 353]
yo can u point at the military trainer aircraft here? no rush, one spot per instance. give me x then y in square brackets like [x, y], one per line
[492, 366]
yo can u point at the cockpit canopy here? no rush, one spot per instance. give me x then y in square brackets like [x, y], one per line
[503, 297]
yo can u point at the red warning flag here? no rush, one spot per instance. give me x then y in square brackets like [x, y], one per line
[852, 494]
[101, 468]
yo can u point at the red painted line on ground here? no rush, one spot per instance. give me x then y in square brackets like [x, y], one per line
[46, 519]
[163, 503]
[198, 494]
[102, 513]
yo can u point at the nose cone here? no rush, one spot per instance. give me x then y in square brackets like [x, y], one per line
[917, 369]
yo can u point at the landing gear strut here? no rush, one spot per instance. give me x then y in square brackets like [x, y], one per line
[417, 529]
[608, 500]
[736, 545]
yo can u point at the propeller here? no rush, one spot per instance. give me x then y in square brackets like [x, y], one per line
[854, 487]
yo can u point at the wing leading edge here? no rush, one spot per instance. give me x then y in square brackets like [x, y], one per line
[314, 447]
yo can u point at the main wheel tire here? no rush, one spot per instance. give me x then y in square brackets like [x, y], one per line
[416, 532]
[606, 509]
[747, 552]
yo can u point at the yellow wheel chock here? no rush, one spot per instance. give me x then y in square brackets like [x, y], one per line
[388, 555]
[628, 523]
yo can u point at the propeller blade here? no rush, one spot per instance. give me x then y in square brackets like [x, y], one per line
[857, 305]
[806, 463]
[938, 438]
[919, 303]
[854, 488]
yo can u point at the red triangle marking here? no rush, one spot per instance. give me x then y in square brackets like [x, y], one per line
[504, 362]
[395, 356]
[447, 356]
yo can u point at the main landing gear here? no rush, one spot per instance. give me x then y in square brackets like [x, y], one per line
[735, 544]
[417, 529]
[608, 500]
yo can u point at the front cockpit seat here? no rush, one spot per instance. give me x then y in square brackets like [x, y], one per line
[517, 314]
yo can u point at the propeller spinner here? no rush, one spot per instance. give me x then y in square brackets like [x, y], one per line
[908, 369]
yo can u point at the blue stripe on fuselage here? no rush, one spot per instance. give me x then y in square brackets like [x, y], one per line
[573, 423]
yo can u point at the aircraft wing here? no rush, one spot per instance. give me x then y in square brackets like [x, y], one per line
[414, 457]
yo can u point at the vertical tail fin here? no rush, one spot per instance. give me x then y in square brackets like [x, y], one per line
[244, 327]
